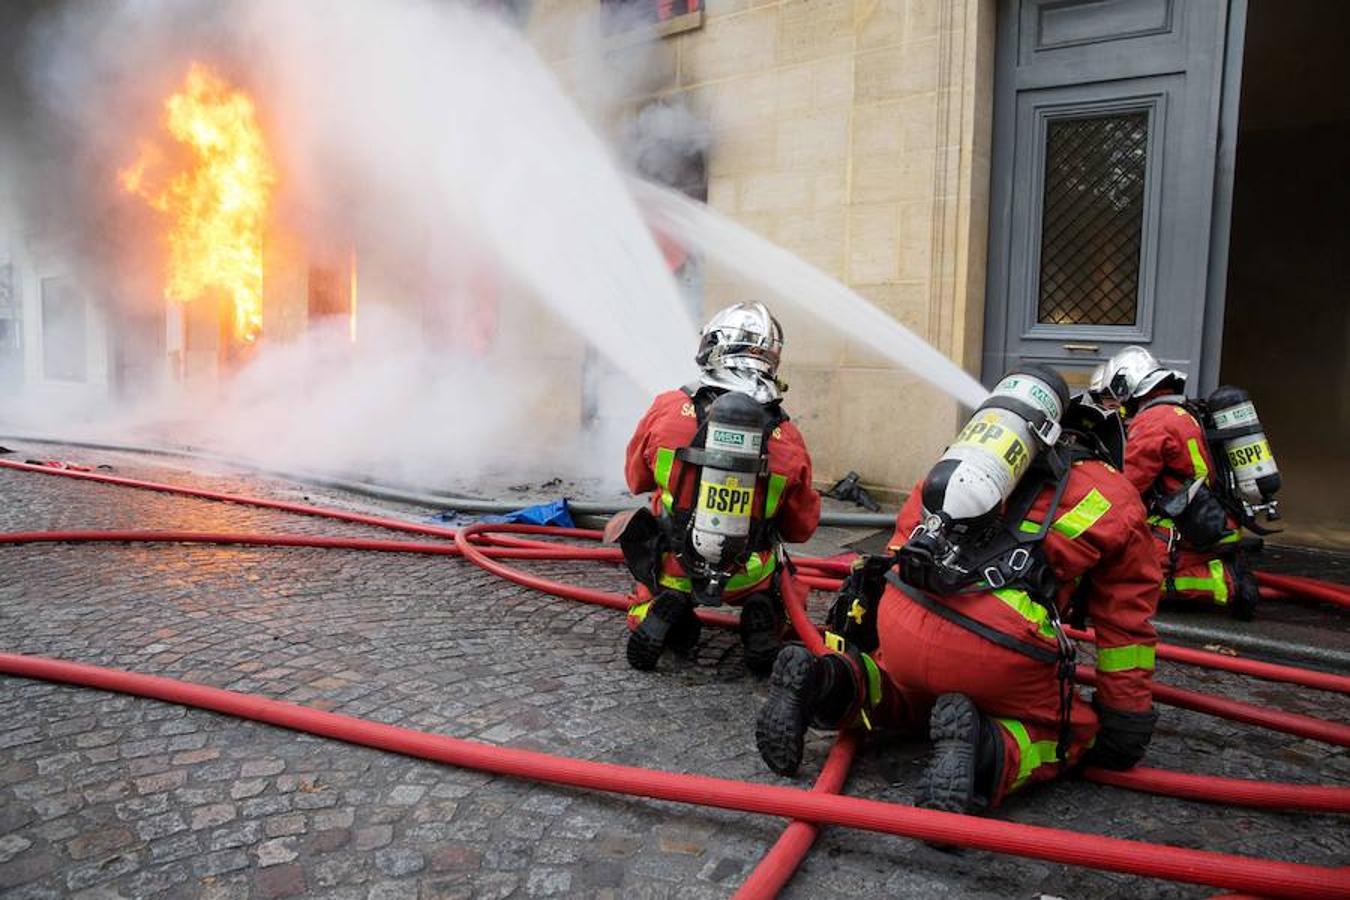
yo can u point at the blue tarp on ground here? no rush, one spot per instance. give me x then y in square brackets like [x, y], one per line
[553, 513]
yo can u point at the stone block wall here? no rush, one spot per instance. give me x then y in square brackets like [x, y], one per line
[856, 134]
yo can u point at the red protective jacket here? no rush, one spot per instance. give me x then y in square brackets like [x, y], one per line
[1166, 446]
[1099, 536]
[671, 423]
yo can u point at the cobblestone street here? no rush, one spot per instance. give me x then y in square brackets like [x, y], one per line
[107, 796]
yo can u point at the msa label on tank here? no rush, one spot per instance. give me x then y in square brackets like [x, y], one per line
[1030, 391]
[734, 440]
[1250, 455]
[728, 498]
[1235, 416]
[985, 432]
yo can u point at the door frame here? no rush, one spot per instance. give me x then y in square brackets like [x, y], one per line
[1209, 321]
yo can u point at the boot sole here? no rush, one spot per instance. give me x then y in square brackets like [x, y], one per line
[780, 729]
[948, 784]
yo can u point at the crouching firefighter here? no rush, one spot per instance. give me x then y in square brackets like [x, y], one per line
[730, 478]
[1023, 523]
[1204, 470]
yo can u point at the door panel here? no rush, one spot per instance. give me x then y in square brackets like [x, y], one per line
[1105, 129]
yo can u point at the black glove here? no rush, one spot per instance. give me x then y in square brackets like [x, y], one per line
[1123, 737]
[854, 614]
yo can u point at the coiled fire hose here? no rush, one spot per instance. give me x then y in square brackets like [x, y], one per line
[513, 549]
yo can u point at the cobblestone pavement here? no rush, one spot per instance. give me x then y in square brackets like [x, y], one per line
[105, 796]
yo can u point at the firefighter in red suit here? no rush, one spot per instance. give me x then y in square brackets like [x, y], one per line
[927, 638]
[1168, 459]
[739, 352]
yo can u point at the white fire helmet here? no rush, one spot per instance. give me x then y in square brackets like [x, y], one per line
[1129, 375]
[739, 351]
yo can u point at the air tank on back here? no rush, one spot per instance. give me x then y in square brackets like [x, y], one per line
[981, 467]
[1238, 430]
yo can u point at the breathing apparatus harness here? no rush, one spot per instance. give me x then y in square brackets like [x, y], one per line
[1001, 556]
[1200, 514]
[714, 538]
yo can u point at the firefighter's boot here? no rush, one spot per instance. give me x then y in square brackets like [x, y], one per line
[804, 691]
[761, 629]
[967, 758]
[670, 622]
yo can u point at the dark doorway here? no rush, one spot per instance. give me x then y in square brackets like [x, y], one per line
[1287, 316]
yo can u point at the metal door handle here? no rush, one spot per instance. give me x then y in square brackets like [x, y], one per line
[1082, 348]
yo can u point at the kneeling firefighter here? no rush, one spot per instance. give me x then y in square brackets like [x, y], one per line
[730, 478]
[1204, 470]
[1025, 521]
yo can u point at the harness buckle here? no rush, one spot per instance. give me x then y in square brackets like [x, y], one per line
[1019, 559]
[994, 578]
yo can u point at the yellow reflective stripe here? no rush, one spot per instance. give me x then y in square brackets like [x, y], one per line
[759, 567]
[1077, 520]
[1131, 656]
[776, 485]
[1162, 522]
[665, 459]
[1231, 537]
[639, 612]
[1197, 460]
[1029, 609]
[1031, 755]
[873, 680]
[1084, 515]
[1215, 584]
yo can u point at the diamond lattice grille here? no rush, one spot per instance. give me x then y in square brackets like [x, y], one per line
[1093, 219]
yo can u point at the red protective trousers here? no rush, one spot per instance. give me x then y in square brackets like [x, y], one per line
[923, 655]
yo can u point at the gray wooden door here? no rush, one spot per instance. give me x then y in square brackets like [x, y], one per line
[1102, 200]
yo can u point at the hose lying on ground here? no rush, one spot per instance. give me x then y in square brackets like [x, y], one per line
[519, 549]
[1264, 877]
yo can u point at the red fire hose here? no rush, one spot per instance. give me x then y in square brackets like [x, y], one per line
[1238, 791]
[1306, 587]
[1263, 877]
[794, 600]
[1237, 711]
[1196, 787]
[777, 867]
[1325, 681]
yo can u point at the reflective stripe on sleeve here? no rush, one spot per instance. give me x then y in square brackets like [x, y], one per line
[1083, 516]
[1077, 520]
[1197, 460]
[1131, 656]
[775, 494]
[665, 459]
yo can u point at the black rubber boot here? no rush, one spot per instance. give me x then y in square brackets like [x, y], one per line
[967, 757]
[804, 690]
[761, 625]
[665, 622]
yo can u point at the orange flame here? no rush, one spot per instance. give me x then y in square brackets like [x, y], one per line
[218, 206]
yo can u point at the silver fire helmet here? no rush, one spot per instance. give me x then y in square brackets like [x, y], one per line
[1129, 375]
[739, 350]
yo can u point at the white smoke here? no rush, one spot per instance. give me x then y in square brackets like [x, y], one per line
[429, 136]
